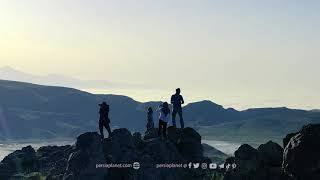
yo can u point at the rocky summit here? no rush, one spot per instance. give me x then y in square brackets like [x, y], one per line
[88, 157]
[299, 160]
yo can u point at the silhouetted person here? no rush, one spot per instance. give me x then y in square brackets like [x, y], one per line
[177, 101]
[104, 120]
[150, 124]
[164, 114]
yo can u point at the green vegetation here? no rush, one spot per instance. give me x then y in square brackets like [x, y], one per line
[30, 176]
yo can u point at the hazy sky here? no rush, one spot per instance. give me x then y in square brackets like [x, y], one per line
[237, 53]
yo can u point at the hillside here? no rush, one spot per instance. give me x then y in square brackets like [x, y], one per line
[29, 111]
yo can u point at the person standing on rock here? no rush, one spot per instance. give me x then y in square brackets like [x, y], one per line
[164, 114]
[104, 120]
[150, 124]
[177, 101]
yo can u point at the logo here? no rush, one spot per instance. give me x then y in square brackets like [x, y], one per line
[190, 165]
[185, 166]
[196, 165]
[213, 166]
[204, 165]
[136, 165]
[234, 165]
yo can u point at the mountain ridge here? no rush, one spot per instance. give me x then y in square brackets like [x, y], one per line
[38, 111]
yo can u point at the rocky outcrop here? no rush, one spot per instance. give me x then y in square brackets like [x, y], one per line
[53, 160]
[90, 157]
[86, 159]
[263, 163]
[49, 161]
[82, 162]
[21, 161]
[189, 145]
[270, 154]
[288, 138]
[301, 159]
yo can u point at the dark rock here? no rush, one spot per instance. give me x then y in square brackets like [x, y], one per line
[122, 147]
[137, 140]
[53, 159]
[246, 158]
[288, 138]
[82, 162]
[20, 161]
[151, 134]
[270, 154]
[252, 164]
[85, 140]
[189, 145]
[174, 134]
[162, 151]
[301, 155]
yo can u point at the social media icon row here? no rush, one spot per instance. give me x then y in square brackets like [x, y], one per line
[208, 166]
[197, 165]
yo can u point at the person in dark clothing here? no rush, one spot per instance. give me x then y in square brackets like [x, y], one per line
[177, 101]
[104, 120]
[150, 124]
[164, 114]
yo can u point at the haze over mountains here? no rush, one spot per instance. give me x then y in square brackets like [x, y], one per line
[29, 111]
[12, 74]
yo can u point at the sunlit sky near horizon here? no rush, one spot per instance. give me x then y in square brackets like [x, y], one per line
[242, 54]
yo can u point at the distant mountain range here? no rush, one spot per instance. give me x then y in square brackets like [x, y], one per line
[9, 73]
[29, 111]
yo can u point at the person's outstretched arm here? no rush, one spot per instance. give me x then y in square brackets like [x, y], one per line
[159, 108]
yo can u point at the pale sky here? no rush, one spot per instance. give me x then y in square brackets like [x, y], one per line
[240, 53]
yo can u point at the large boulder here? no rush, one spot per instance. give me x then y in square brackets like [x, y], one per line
[263, 163]
[82, 162]
[301, 159]
[53, 160]
[121, 148]
[160, 152]
[174, 134]
[189, 145]
[270, 154]
[20, 161]
[246, 158]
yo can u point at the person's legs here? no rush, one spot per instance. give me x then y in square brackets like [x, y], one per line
[107, 125]
[181, 118]
[101, 129]
[174, 112]
[159, 128]
[164, 129]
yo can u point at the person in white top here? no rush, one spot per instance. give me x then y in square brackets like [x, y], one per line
[164, 116]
